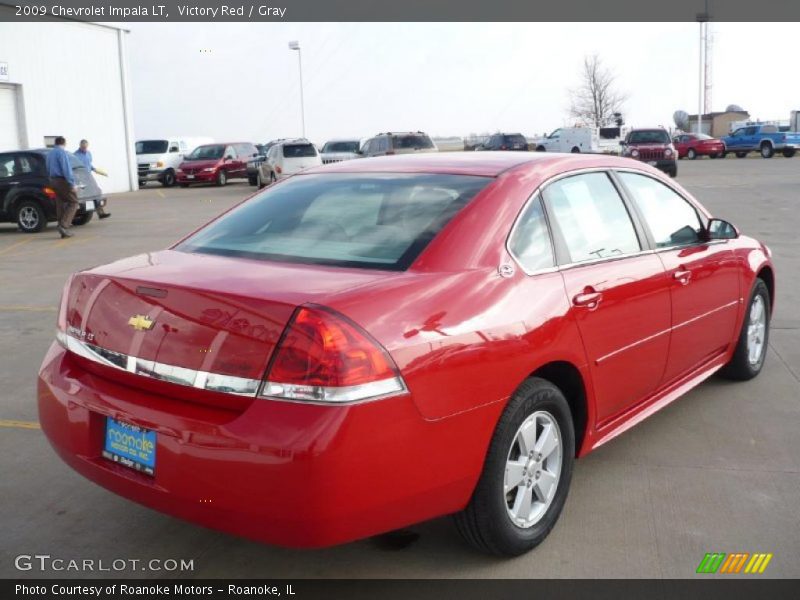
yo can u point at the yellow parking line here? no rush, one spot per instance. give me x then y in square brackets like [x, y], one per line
[12, 246]
[20, 308]
[160, 193]
[20, 424]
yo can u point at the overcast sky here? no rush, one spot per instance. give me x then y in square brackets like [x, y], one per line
[239, 81]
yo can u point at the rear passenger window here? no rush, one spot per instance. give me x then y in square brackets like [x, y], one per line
[591, 217]
[670, 218]
[530, 241]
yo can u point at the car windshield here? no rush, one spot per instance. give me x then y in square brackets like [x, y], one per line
[379, 221]
[351, 146]
[151, 147]
[299, 150]
[209, 152]
[416, 142]
[649, 136]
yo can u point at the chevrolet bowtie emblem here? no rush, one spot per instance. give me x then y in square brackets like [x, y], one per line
[141, 323]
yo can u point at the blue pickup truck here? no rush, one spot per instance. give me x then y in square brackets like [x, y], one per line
[766, 139]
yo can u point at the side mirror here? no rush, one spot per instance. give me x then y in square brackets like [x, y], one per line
[229, 157]
[719, 229]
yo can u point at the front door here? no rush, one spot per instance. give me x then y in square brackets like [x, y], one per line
[619, 295]
[703, 276]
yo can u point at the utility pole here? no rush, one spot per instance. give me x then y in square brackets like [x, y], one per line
[702, 20]
[295, 45]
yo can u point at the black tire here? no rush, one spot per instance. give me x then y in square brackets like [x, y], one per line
[691, 154]
[83, 219]
[31, 217]
[740, 368]
[184, 185]
[259, 181]
[766, 149]
[541, 149]
[673, 172]
[575, 150]
[222, 178]
[724, 154]
[788, 152]
[168, 179]
[142, 184]
[713, 155]
[252, 180]
[485, 523]
[741, 154]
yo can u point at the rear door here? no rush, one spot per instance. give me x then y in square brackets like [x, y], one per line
[619, 294]
[703, 276]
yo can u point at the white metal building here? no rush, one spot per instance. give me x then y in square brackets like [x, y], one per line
[68, 78]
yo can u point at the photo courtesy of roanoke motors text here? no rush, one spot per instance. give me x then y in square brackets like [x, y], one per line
[336, 299]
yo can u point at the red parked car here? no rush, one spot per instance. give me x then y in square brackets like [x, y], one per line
[216, 163]
[373, 343]
[692, 145]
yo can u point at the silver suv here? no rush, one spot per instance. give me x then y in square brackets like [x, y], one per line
[409, 142]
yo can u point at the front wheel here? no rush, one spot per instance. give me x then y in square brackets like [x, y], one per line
[691, 154]
[751, 348]
[222, 177]
[575, 150]
[169, 179]
[526, 476]
[767, 151]
[259, 180]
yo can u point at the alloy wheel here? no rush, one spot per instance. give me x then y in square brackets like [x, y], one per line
[533, 469]
[28, 217]
[756, 330]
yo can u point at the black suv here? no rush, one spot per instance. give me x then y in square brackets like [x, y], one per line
[409, 142]
[26, 197]
[505, 141]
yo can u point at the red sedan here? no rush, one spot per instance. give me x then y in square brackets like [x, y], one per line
[378, 342]
[692, 145]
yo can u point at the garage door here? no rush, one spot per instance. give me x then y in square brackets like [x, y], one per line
[9, 125]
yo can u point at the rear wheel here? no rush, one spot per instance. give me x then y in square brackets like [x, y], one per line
[222, 177]
[751, 348]
[541, 149]
[83, 219]
[30, 216]
[691, 154]
[788, 152]
[673, 171]
[741, 154]
[713, 155]
[767, 151]
[526, 476]
[272, 178]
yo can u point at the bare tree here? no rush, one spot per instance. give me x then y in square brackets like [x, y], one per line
[595, 100]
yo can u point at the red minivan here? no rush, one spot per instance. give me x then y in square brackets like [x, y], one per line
[377, 342]
[216, 163]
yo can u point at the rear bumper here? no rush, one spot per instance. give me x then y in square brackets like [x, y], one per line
[291, 474]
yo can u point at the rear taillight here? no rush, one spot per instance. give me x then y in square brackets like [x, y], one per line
[49, 192]
[324, 357]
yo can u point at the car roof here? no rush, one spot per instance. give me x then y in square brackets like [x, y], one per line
[486, 164]
[401, 133]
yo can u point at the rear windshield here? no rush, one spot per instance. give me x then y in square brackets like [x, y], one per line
[649, 136]
[341, 146]
[414, 142]
[151, 147]
[299, 150]
[209, 152]
[379, 221]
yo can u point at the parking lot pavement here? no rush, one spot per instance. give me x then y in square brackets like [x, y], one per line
[717, 471]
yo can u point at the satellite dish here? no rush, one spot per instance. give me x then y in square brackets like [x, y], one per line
[734, 108]
[681, 118]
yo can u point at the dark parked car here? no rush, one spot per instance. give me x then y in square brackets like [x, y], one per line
[652, 146]
[216, 163]
[411, 142]
[505, 141]
[26, 197]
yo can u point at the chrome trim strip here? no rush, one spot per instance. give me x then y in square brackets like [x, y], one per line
[215, 382]
[660, 333]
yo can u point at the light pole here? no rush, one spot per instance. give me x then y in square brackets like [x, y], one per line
[295, 45]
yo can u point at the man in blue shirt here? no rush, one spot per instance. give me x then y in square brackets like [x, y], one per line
[83, 154]
[62, 180]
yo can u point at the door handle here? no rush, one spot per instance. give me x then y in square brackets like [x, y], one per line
[683, 276]
[588, 300]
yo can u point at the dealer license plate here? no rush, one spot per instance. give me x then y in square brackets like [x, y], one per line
[190, 177]
[130, 445]
[90, 205]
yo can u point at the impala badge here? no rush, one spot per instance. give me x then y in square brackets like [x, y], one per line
[141, 323]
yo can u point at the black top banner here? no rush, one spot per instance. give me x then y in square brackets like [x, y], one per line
[401, 10]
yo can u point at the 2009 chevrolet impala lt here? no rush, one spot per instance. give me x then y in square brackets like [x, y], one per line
[378, 342]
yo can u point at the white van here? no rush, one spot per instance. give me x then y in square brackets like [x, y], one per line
[157, 159]
[570, 139]
[286, 158]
